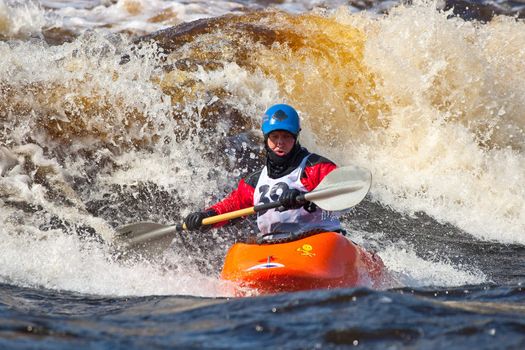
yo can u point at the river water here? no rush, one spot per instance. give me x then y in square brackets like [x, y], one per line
[122, 111]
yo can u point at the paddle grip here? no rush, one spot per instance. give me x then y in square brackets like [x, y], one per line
[237, 214]
[266, 206]
[301, 198]
[228, 216]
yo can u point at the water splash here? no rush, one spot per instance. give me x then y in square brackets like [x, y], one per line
[102, 131]
[454, 143]
[20, 20]
[408, 269]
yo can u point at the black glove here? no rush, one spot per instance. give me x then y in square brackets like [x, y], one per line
[194, 220]
[289, 199]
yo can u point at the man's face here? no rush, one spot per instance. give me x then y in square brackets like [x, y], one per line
[281, 142]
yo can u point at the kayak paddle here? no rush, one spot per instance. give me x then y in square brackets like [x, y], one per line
[341, 189]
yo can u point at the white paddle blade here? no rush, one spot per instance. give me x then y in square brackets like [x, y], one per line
[342, 189]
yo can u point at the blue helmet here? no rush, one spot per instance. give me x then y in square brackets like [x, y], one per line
[281, 117]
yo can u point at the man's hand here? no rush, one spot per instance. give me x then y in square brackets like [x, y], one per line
[289, 199]
[194, 220]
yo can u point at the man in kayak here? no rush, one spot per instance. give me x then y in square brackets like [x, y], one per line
[290, 171]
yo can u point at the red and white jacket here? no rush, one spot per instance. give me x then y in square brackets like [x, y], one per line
[315, 169]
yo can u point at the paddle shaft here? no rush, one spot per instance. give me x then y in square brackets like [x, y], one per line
[312, 197]
[239, 213]
[207, 221]
[341, 189]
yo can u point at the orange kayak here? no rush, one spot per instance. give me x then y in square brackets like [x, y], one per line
[324, 260]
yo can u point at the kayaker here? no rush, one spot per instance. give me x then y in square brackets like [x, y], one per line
[289, 171]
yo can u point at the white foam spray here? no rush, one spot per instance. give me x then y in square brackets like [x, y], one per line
[454, 95]
[452, 142]
[21, 19]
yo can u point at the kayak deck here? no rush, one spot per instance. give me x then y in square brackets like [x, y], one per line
[324, 260]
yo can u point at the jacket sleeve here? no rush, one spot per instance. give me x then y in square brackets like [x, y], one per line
[240, 198]
[316, 169]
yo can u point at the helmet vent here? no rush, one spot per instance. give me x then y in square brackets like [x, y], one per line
[279, 115]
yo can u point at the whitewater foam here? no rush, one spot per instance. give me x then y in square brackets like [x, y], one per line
[20, 20]
[452, 139]
[446, 136]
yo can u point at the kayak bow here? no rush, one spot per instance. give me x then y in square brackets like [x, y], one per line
[324, 260]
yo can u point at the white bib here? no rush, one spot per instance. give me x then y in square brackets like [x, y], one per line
[292, 220]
